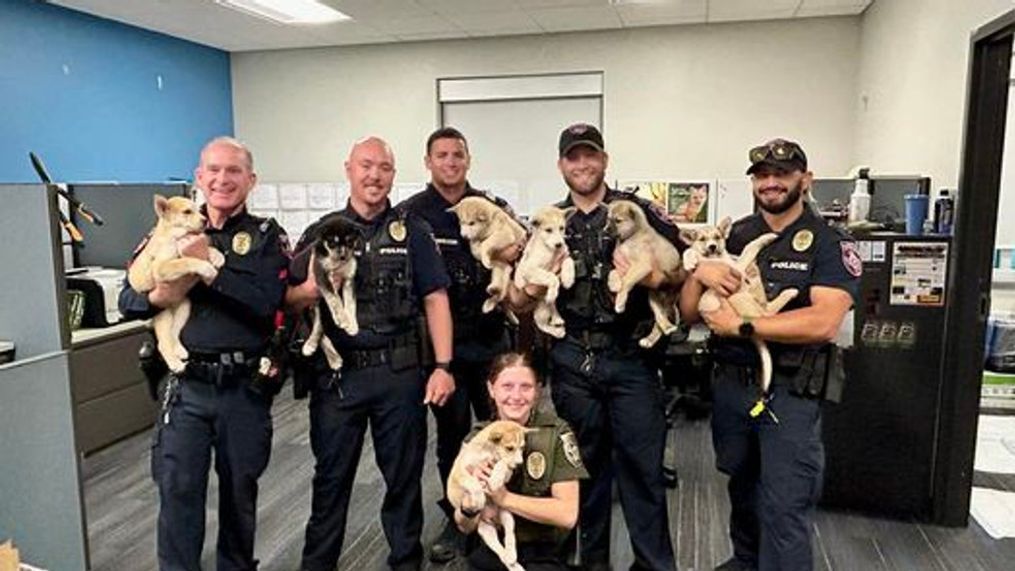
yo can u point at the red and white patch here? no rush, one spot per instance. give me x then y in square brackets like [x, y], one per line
[851, 259]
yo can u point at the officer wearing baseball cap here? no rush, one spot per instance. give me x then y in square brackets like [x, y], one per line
[769, 444]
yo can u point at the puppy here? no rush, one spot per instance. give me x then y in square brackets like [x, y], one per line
[160, 261]
[544, 246]
[709, 243]
[644, 248]
[335, 272]
[489, 230]
[502, 443]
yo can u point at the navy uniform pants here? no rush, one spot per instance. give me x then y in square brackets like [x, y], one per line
[774, 469]
[615, 407]
[392, 404]
[532, 556]
[236, 423]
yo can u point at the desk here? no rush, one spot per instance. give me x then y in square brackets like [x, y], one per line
[109, 392]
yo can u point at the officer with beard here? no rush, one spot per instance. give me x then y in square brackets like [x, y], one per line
[770, 445]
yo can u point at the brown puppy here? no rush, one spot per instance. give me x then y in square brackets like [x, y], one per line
[644, 248]
[709, 243]
[501, 443]
[544, 247]
[489, 230]
[160, 261]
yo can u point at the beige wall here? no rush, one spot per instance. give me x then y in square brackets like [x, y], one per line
[911, 93]
[679, 101]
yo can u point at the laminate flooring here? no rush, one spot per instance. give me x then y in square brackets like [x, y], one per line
[121, 508]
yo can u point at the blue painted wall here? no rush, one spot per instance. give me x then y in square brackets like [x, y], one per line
[83, 93]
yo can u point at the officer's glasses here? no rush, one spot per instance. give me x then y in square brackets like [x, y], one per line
[780, 151]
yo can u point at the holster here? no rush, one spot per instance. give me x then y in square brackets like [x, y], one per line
[152, 365]
[812, 372]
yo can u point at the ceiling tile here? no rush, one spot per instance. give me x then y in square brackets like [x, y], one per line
[739, 10]
[414, 25]
[511, 21]
[576, 18]
[684, 12]
[373, 9]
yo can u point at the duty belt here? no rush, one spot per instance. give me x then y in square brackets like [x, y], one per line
[400, 353]
[220, 369]
[593, 340]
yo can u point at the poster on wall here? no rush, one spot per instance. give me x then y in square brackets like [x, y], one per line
[685, 202]
[918, 273]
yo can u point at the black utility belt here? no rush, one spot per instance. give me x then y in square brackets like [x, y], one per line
[600, 341]
[398, 357]
[222, 369]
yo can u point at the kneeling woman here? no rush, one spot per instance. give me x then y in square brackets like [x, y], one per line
[543, 492]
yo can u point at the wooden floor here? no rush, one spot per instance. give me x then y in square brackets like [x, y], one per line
[121, 509]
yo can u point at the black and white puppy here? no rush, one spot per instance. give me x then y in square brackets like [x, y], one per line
[334, 267]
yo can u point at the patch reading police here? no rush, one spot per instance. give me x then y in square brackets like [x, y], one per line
[571, 451]
[241, 243]
[802, 240]
[535, 465]
[397, 230]
[851, 259]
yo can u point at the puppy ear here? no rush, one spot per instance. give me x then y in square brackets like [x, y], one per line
[454, 209]
[161, 205]
[688, 235]
[724, 226]
[536, 222]
[496, 435]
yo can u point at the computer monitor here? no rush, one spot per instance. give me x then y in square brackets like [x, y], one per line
[129, 215]
[830, 194]
[888, 198]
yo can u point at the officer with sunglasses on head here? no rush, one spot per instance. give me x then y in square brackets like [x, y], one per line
[770, 444]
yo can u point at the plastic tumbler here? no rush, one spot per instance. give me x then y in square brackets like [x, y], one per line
[916, 213]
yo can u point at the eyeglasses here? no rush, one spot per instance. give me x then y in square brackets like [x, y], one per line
[778, 150]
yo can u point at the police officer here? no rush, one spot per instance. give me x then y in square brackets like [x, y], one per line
[543, 491]
[772, 451]
[211, 405]
[478, 336]
[381, 381]
[604, 385]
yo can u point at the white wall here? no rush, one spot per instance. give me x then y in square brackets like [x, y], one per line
[679, 102]
[911, 94]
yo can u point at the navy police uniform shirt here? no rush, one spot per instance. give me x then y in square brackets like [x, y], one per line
[235, 312]
[427, 266]
[469, 278]
[807, 253]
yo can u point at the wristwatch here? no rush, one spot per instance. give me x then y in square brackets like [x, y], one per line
[746, 329]
[442, 365]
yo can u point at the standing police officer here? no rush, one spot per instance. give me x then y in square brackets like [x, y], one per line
[774, 456]
[479, 336]
[211, 405]
[381, 381]
[603, 384]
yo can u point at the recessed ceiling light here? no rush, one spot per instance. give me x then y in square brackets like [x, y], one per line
[286, 11]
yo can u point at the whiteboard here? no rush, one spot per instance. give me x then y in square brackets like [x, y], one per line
[514, 143]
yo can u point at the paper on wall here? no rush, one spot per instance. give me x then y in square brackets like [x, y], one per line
[263, 197]
[321, 196]
[292, 196]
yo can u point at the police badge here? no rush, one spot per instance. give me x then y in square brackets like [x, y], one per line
[397, 230]
[535, 465]
[241, 243]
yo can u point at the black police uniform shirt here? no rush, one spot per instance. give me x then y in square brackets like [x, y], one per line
[468, 276]
[588, 305]
[807, 253]
[236, 312]
[426, 265]
[551, 455]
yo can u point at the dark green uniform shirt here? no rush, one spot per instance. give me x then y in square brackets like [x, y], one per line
[551, 455]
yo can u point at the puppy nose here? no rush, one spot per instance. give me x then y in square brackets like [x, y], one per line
[712, 248]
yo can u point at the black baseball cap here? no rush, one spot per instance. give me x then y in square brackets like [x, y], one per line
[779, 154]
[580, 134]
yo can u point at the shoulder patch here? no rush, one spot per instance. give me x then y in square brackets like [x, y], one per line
[571, 450]
[851, 258]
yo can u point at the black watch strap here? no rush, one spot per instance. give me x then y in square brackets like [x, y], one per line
[443, 365]
[746, 329]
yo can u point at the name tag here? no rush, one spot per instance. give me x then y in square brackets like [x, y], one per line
[446, 241]
[393, 251]
[790, 265]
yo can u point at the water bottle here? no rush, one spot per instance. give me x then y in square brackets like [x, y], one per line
[944, 213]
[860, 200]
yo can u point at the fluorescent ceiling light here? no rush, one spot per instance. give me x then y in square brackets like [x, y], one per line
[286, 11]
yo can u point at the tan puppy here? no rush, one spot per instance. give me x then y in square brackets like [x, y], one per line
[502, 443]
[335, 272]
[644, 248]
[489, 230]
[709, 243]
[160, 261]
[544, 247]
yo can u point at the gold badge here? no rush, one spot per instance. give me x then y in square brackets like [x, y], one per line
[802, 240]
[241, 243]
[571, 451]
[535, 465]
[397, 230]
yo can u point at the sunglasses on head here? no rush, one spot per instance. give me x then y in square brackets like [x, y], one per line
[779, 150]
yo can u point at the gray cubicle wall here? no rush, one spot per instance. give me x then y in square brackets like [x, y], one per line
[40, 491]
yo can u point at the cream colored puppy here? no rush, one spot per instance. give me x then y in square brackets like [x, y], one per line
[489, 230]
[750, 301]
[160, 261]
[500, 443]
[644, 248]
[544, 247]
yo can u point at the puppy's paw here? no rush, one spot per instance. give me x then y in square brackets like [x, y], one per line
[647, 342]
[552, 291]
[175, 364]
[621, 303]
[613, 281]
[182, 352]
[309, 347]
[515, 567]
[489, 305]
[208, 272]
[216, 258]
[351, 327]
